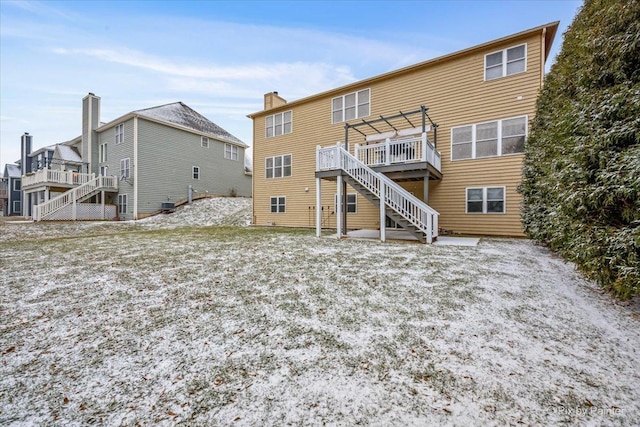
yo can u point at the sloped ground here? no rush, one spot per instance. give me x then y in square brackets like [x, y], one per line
[141, 323]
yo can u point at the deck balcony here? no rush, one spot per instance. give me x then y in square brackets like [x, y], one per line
[403, 156]
[55, 178]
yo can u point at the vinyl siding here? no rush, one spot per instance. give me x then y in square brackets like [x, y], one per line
[456, 94]
[166, 157]
[115, 153]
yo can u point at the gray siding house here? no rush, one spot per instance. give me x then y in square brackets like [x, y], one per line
[138, 164]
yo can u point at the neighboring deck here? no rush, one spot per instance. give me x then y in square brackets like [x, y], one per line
[55, 178]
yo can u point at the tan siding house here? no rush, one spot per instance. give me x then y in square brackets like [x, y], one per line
[479, 104]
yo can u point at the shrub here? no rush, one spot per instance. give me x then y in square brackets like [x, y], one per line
[581, 176]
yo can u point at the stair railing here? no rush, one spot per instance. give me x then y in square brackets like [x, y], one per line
[412, 209]
[74, 195]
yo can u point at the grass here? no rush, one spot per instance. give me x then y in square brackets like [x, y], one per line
[124, 325]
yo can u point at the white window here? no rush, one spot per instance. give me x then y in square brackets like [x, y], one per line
[196, 172]
[351, 106]
[125, 168]
[204, 141]
[102, 153]
[122, 203]
[119, 133]
[278, 124]
[489, 139]
[17, 185]
[230, 151]
[485, 200]
[278, 204]
[104, 170]
[505, 62]
[17, 206]
[278, 166]
[352, 205]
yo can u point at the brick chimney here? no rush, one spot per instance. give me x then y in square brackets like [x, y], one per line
[272, 100]
[90, 122]
[26, 141]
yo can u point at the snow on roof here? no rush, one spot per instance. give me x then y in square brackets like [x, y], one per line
[181, 114]
[69, 154]
[40, 150]
[13, 170]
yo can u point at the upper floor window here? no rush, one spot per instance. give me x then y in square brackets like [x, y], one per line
[204, 141]
[196, 172]
[485, 200]
[351, 106]
[17, 185]
[230, 151]
[278, 166]
[125, 168]
[278, 124]
[505, 62]
[102, 153]
[496, 138]
[119, 129]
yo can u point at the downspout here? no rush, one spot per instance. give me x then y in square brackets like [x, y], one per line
[135, 167]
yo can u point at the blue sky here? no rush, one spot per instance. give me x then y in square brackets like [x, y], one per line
[221, 57]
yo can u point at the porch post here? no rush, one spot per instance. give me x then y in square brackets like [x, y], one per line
[425, 191]
[73, 206]
[104, 213]
[383, 215]
[318, 208]
[339, 207]
[387, 160]
[424, 147]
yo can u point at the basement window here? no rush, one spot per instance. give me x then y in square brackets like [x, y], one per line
[486, 200]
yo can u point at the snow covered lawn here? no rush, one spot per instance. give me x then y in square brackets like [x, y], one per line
[181, 319]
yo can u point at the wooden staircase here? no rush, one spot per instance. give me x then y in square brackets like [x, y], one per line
[405, 209]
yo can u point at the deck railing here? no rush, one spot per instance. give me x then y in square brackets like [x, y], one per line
[52, 176]
[75, 195]
[415, 211]
[402, 150]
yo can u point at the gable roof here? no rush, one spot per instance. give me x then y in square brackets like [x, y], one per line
[67, 153]
[12, 171]
[180, 114]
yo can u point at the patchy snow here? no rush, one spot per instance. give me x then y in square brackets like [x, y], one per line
[160, 322]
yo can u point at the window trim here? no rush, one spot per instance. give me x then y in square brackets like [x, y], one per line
[485, 200]
[127, 170]
[231, 152]
[123, 202]
[282, 167]
[119, 133]
[17, 206]
[204, 141]
[504, 62]
[357, 104]
[17, 185]
[102, 153]
[500, 137]
[282, 124]
[195, 172]
[354, 203]
[277, 204]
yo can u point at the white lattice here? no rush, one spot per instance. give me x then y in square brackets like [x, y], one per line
[85, 212]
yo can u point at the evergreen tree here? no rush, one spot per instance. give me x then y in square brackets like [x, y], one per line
[581, 182]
